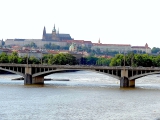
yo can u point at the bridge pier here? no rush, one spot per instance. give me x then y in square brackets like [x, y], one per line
[124, 82]
[28, 79]
[131, 83]
[38, 80]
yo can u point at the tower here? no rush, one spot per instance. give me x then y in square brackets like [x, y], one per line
[54, 33]
[146, 45]
[58, 31]
[44, 33]
[99, 42]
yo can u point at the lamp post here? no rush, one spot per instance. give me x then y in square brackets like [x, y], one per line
[27, 58]
[41, 53]
[124, 60]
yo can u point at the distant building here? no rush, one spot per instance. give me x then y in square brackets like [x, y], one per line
[73, 47]
[111, 47]
[5, 50]
[54, 38]
[145, 49]
[79, 43]
[55, 35]
[64, 40]
[30, 53]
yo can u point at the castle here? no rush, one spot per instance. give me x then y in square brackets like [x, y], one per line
[65, 39]
[55, 35]
[54, 38]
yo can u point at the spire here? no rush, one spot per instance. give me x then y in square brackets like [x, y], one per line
[58, 31]
[146, 45]
[54, 29]
[44, 33]
[99, 42]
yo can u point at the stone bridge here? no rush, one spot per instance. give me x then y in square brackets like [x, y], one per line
[34, 73]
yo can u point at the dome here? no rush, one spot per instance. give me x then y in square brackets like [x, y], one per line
[73, 47]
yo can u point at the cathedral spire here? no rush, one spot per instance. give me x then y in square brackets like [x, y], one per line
[58, 31]
[44, 30]
[54, 29]
[99, 42]
[44, 33]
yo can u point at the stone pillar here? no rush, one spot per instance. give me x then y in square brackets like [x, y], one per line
[124, 82]
[131, 83]
[28, 79]
[28, 76]
[124, 73]
[28, 70]
[38, 80]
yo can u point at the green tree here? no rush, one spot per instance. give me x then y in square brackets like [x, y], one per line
[3, 58]
[63, 59]
[155, 50]
[103, 61]
[118, 60]
[13, 58]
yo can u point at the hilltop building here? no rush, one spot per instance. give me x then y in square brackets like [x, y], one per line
[64, 40]
[121, 48]
[73, 48]
[55, 35]
[138, 49]
[54, 38]
[111, 47]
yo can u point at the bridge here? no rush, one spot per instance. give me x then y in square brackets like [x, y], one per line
[34, 73]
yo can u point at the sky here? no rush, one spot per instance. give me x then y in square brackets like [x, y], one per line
[134, 22]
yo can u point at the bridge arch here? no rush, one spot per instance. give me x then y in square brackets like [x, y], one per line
[11, 71]
[45, 73]
[142, 75]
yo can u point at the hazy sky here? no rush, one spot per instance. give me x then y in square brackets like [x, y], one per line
[134, 22]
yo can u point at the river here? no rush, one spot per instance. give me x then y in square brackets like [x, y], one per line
[86, 96]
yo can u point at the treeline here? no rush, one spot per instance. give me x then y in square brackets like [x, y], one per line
[14, 58]
[59, 59]
[135, 60]
[130, 59]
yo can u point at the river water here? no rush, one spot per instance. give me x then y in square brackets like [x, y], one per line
[86, 96]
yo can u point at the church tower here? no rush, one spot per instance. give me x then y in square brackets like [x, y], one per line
[44, 33]
[99, 42]
[54, 37]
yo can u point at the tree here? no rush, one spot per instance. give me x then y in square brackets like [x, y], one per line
[3, 58]
[13, 58]
[91, 60]
[63, 59]
[118, 60]
[155, 50]
[103, 61]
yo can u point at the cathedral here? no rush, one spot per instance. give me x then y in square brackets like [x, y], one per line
[55, 35]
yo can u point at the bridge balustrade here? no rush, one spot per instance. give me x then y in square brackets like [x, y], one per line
[34, 74]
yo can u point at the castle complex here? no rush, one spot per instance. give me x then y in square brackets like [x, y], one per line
[65, 39]
[55, 35]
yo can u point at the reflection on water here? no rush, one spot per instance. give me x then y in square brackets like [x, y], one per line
[87, 96]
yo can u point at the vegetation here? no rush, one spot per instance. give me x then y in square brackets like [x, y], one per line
[59, 59]
[136, 60]
[32, 45]
[129, 59]
[55, 47]
[155, 50]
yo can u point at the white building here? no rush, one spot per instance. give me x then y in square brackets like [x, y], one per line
[112, 47]
[145, 49]
[38, 42]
